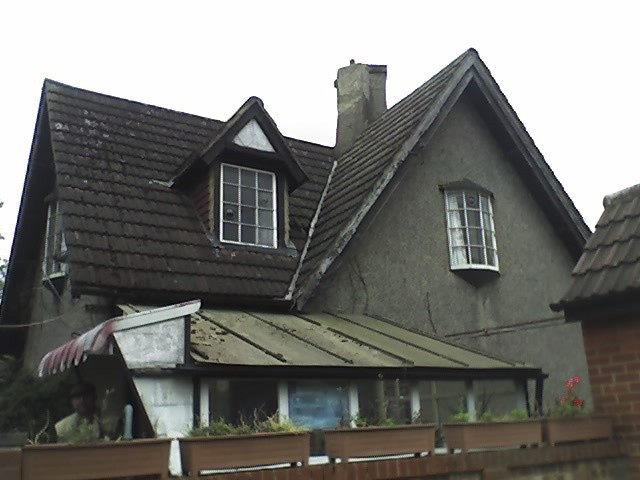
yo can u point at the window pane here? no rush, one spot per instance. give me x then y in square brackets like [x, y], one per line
[248, 178]
[455, 201]
[265, 199]
[457, 236]
[456, 219]
[459, 256]
[265, 236]
[475, 236]
[265, 218]
[486, 221]
[484, 203]
[230, 193]
[248, 234]
[489, 238]
[477, 255]
[318, 404]
[229, 174]
[473, 217]
[491, 258]
[471, 199]
[248, 197]
[265, 181]
[230, 231]
[248, 216]
[230, 212]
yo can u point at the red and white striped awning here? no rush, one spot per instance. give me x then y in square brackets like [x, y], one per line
[75, 351]
[98, 339]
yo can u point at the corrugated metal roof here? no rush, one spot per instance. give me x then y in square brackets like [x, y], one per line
[249, 338]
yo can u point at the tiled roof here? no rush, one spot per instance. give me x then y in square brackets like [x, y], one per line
[610, 263]
[126, 229]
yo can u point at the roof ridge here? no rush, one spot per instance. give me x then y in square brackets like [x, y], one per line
[48, 81]
[623, 195]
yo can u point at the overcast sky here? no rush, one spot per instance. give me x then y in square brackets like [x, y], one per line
[568, 68]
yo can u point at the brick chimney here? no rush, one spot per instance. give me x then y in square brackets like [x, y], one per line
[362, 98]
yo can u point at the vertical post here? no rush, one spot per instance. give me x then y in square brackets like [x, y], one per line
[283, 400]
[204, 402]
[522, 397]
[354, 404]
[471, 400]
[415, 402]
[539, 394]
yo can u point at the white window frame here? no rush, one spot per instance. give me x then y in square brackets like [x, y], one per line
[469, 263]
[52, 267]
[274, 243]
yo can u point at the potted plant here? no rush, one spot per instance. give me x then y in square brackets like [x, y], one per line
[569, 421]
[84, 458]
[387, 438]
[513, 430]
[221, 445]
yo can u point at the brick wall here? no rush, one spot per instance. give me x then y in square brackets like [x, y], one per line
[613, 356]
[594, 461]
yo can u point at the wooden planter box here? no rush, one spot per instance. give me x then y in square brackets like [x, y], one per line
[379, 441]
[104, 460]
[13, 439]
[465, 436]
[576, 429]
[233, 451]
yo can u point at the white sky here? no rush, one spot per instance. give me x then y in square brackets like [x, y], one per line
[568, 68]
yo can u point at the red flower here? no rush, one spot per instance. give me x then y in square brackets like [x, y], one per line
[563, 400]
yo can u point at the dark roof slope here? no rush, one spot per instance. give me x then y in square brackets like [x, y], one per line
[126, 230]
[610, 264]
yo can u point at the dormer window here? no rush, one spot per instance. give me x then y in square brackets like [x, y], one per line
[248, 206]
[55, 248]
[471, 231]
[240, 182]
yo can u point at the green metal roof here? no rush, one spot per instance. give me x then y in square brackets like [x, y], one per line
[251, 338]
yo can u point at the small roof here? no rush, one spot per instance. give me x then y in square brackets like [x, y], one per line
[609, 267]
[256, 339]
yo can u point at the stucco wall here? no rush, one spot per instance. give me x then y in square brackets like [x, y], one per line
[397, 266]
[60, 319]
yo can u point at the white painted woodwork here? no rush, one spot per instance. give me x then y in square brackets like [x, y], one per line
[252, 136]
[471, 400]
[354, 404]
[283, 400]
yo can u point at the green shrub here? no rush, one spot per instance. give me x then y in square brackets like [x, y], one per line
[30, 404]
[219, 427]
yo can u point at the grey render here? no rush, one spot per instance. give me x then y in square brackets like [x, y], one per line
[397, 265]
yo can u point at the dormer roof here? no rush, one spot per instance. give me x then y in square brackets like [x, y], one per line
[250, 132]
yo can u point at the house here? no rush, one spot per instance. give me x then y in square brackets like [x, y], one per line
[345, 278]
[604, 296]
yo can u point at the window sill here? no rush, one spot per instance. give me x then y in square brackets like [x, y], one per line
[477, 275]
[289, 251]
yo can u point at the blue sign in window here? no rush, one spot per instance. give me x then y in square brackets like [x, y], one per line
[318, 405]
